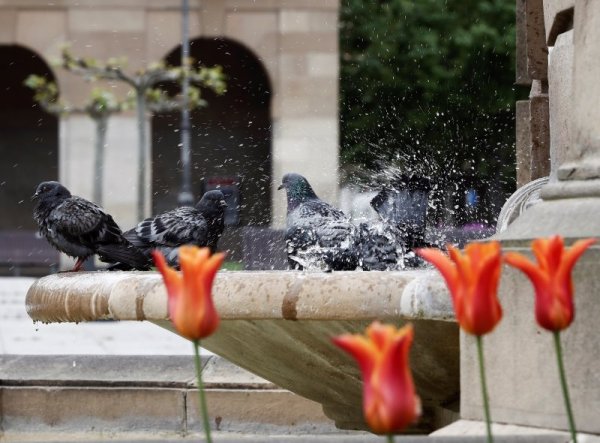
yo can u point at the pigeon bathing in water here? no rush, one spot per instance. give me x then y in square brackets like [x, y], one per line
[318, 236]
[79, 228]
[380, 246]
[201, 226]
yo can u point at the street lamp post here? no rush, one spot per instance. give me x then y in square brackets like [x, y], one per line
[185, 197]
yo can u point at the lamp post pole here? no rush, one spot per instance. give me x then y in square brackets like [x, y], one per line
[185, 197]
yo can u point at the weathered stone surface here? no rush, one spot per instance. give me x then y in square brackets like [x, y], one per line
[560, 93]
[107, 371]
[521, 75]
[523, 142]
[568, 209]
[583, 162]
[239, 401]
[43, 31]
[537, 51]
[219, 373]
[539, 125]
[558, 18]
[509, 432]
[265, 411]
[106, 20]
[279, 325]
[8, 26]
[115, 409]
[521, 365]
[256, 295]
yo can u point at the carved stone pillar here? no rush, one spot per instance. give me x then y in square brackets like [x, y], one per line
[522, 372]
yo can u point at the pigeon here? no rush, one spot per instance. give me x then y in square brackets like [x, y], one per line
[318, 236]
[402, 209]
[380, 247]
[201, 225]
[80, 229]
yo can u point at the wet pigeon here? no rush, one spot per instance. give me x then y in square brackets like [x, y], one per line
[318, 236]
[80, 229]
[201, 225]
[402, 209]
[380, 247]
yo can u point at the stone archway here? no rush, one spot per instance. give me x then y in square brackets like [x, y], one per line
[28, 141]
[231, 138]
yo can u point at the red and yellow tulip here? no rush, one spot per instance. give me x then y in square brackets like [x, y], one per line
[551, 278]
[472, 279]
[191, 306]
[390, 403]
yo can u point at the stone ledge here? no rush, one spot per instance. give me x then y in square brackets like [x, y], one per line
[172, 371]
[64, 410]
[258, 295]
[278, 325]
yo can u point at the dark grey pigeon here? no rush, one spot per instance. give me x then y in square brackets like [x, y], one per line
[201, 225]
[79, 228]
[381, 245]
[318, 236]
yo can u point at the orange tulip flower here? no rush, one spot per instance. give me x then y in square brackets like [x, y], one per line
[472, 279]
[551, 278]
[389, 400]
[191, 307]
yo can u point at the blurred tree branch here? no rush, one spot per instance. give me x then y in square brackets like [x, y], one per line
[145, 96]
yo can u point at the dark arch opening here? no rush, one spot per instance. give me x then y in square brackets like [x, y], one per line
[29, 138]
[231, 137]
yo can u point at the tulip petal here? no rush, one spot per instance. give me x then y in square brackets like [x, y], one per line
[551, 278]
[487, 311]
[446, 267]
[172, 280]
[572, 255]
[537, 276]
[472, 279]
[389, 400]
[191, 307]
[363, 351]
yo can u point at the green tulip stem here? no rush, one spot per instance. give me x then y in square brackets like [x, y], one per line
[201, 396]
[390, 438]
[486, 403]
[563, 383]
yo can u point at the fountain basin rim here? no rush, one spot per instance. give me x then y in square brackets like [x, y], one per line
[247, 295]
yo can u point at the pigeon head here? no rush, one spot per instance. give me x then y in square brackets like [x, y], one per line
[298, 189]
[214, 199]
[212, 202]
[51, 190]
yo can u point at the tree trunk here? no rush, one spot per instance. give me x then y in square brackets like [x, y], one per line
[101, 126]
[142, 153]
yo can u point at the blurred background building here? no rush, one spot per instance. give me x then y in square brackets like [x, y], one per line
[342, 91]
[280, 112]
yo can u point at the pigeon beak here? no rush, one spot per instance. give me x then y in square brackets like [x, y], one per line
[35, 196]
[281, 186]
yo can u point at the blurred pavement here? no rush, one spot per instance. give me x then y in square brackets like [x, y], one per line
[19, 335]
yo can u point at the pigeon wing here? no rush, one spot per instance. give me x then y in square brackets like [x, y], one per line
[320, 236]
[82, 221]
[174, 228]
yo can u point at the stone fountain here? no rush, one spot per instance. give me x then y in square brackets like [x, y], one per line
[279, 326]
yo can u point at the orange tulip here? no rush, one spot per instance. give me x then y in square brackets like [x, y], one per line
[191, 307]
[389, 400]
[551, 278]
[472, 279]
